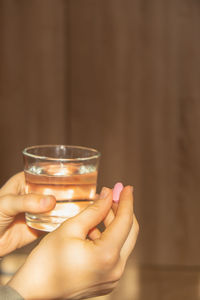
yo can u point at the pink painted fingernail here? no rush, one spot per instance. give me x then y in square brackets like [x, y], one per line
[117, 191]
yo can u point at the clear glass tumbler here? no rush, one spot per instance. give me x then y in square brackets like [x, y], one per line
[67, 172]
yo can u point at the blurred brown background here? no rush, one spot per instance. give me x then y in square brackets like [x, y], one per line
[122, 76]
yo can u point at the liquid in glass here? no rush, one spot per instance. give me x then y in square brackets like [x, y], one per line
[72, 184]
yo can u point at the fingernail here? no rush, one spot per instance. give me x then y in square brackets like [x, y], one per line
[104, 193]
[131, 188]
[47, 201]
[117, 191]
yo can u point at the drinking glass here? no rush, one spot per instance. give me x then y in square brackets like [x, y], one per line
[67, 172]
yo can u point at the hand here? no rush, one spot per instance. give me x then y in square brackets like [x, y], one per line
[14, 233]
[77, 261]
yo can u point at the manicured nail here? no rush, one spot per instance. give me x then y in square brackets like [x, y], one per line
[104, 192]
[47, 201]
[117, 191]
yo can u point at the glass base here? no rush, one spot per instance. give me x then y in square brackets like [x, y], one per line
[44, 223]
[62, 211]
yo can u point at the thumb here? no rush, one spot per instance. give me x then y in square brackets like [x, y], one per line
[11, 205]
[80, 225]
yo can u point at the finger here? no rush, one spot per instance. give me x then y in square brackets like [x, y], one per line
[14, 185]
[109, 218]
[94, 234]
[111, 215]
[80, 225]
[116, 234]
[116, 194]
[12, 205]
[96, 197]
[130, 241]
[18, 235]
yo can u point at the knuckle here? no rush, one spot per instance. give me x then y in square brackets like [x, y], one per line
[109, 259]
[30, 201]
[26, 202]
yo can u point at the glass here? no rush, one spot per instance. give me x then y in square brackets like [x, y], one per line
[67, 172]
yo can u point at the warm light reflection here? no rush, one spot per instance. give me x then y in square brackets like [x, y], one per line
[65, 194]
[92, 193]
[65, 210]
[47, 191]
[26, 189]
[62, 169]
[68, 194]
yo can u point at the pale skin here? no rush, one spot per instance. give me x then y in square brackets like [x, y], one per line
[14, 233]
[76, 261]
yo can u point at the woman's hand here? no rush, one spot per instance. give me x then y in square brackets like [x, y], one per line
[77, 261]
[14, 233]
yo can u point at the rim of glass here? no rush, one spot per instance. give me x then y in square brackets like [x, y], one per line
[26, 153]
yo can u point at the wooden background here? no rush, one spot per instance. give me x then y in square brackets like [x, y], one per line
[122, 76]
